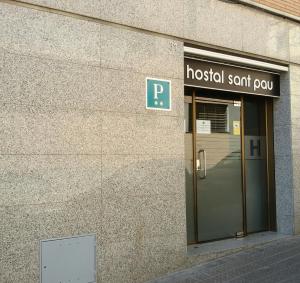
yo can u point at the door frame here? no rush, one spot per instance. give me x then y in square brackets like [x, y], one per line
[271, 204]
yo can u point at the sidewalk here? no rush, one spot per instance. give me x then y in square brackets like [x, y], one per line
[278, 261]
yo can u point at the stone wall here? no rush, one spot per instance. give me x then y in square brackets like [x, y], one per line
[79, 152]
[211, 21]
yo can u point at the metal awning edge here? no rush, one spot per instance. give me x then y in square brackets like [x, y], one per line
[235, 59]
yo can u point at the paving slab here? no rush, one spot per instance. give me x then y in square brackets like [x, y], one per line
[276, 261]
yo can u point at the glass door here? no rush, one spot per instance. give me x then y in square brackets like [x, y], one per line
[218, 168]
[229, 166]
[256, 180]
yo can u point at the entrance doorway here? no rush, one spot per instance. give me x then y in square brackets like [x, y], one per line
[229, 165]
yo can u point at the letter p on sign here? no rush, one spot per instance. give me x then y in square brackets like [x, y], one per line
[158, 94]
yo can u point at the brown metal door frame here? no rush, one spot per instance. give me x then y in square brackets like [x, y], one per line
[194, 164]
[270, 164]
[243, 171]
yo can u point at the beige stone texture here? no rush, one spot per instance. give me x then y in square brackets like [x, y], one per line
[48, 35]
[63, 89]
[138, 52]
[43, 82]
[22, 228]
[211, 22]
[127, 261]
[142, 175]
[41, 179]
[295, 97]
[294, 42]
[80, 154]
[27, 130]
[265, 35]
[156, 15]
[142, 134]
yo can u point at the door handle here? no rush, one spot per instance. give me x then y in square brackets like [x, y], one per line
[201, 164]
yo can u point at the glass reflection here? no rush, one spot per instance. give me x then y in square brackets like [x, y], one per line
[219, 193]
[255, 164]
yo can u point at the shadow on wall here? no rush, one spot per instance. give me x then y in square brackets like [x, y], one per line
[138, 216]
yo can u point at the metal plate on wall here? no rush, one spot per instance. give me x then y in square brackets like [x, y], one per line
[68, 260]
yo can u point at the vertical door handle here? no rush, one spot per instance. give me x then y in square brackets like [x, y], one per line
[201, 163]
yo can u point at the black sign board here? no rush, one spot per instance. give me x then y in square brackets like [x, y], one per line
[212, 75]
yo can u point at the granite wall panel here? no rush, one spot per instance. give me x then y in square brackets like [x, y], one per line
[28, 130]
[221, 24]
[295, 95]
[47, 35]
[62, 86]
[158, 15]
[80, 154]
[283, 150]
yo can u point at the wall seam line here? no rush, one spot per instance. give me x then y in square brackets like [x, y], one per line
[138, 29]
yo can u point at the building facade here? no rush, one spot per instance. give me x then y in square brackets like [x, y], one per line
[84, 152]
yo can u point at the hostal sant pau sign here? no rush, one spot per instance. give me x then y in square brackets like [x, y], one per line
[212, 75]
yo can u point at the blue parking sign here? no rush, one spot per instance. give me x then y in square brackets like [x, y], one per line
[158, 94]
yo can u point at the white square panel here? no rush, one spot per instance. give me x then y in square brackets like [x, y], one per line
[69, 260]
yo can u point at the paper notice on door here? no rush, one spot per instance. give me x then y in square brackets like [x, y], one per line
[236, 128]
[237, 103]
[203, 127]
